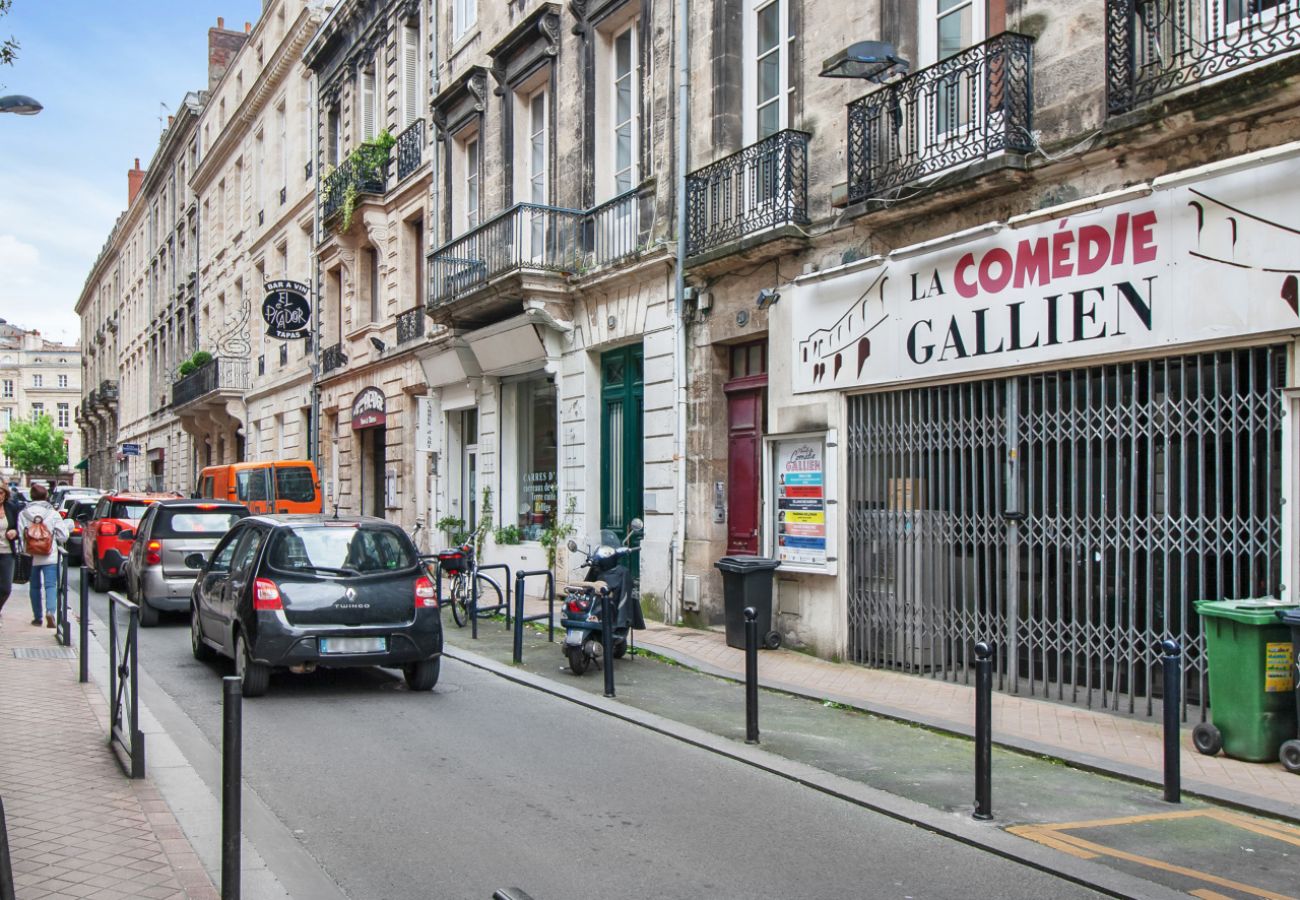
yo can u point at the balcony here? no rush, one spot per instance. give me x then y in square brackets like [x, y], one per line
[351, 178]
[969, 107]
[410, 325]
[332, 358]
[758, 189]
[108, 391]
[215, 379]
[532, 249]
[410, 149]
[1155, 48]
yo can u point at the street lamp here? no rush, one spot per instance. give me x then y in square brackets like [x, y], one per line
[20, 104]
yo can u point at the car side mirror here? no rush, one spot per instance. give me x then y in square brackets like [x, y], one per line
[126, 534]
[194, 561]
[83, 518]
[572, 545]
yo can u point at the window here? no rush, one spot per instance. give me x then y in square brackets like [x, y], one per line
[368, 103]
[332, 136]
[947, 28]
[6, 417]
[294, 484]
[463, 16]
[38, 410]
[624, 114]
[63, 381]
[282, 128]
[767, 81]
[537, 147]
[38, 381]
[8, 388]
[370, 259]
[250, 484]
[410, 73]
[64, 416]
[536, 476]
[467, 163]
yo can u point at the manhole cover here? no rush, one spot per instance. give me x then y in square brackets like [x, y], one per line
[44, 653]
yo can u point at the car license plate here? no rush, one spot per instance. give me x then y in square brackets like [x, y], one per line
[354, 645]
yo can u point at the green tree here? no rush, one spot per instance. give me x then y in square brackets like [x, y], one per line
[36, 446]
[9, 47]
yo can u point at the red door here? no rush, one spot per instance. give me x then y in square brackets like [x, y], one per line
[745, 432]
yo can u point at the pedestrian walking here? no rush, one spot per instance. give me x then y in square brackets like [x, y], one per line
[40, 528]
[9, 545]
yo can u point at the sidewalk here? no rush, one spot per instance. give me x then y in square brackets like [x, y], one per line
[78, 827]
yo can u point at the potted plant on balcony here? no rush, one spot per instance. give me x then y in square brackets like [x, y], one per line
[194, 363]
[367, 163]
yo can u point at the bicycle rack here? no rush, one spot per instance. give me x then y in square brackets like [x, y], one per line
[488, 611]
[520, 618]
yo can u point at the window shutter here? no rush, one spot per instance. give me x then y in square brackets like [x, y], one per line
[368, 104]
[411, 72]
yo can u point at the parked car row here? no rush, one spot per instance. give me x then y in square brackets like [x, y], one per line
[293, 592]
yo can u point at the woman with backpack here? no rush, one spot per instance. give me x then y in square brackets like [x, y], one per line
[41, 527]
[8, 546]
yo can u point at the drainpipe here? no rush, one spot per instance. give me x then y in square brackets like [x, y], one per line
[673, 608]
[313, 437]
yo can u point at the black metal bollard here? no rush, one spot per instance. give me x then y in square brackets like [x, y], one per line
[751, 675]
[1173, 672]
[473, 604]
[231, 778]
[607, 640]
[6, 864]
[983, 731]
[519, 618]
[84, 590]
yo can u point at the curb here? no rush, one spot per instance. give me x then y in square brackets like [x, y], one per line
[987, 837]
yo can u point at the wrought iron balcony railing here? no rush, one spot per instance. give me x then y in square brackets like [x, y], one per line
[760, 187]
[525, 236]
[108, 391]
[217, 374]
[410, 149]
[366, 180]
[332, 358]
[410, 325]
[1154, 47]
[965, 108]
[612, 230]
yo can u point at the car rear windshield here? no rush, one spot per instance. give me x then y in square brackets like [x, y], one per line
[364, 550]
[174, 523]
[81, 508]
[294, 484]
[124, 509]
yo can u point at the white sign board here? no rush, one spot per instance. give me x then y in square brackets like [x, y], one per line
[799, 501]
[1191, 263]
[425, 433]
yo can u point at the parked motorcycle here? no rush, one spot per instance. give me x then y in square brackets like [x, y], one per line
[606, 584]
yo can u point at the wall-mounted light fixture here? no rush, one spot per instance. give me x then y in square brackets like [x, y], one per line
[872, 60]
[767, 297]
[377, 343]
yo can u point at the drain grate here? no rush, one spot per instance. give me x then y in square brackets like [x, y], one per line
[44, 653]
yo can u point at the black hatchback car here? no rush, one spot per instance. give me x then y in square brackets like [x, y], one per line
[299, 592]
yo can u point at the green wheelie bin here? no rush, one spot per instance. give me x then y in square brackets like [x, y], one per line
[1252, 704]
[1290, 751]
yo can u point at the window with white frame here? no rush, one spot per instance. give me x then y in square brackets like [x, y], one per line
[38, 381]
[368, 102]
[464, 14]
[467, 172]
[65, 416]
[333, 136]
[38, 410]
[532, 149]
[63, 381]
[259, 163]
[410, 73]
[767, 38]
[282, 129]
[624, 120]
[947, 28]
[536, 151]
[7, 389]
[6, 417]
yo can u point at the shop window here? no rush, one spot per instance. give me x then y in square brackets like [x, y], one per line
[536, 477]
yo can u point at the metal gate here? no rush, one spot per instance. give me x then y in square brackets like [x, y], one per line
[1133, 490]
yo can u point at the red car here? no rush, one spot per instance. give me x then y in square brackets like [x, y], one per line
[109, 533]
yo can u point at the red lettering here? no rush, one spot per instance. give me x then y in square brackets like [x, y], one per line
[1031, 263]
[1094, 248]
[1121, 238]
[1144, 239]
[964, 288]
[1062, 266]
[1000, 258]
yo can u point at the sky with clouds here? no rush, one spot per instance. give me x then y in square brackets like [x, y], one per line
[103, 71]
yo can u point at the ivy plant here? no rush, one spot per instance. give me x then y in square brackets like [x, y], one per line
[366, 163]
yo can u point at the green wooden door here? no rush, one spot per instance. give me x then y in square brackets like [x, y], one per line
[622, 461]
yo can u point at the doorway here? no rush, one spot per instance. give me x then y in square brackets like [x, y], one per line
[621, 456]
[373, 443]
[746, 391]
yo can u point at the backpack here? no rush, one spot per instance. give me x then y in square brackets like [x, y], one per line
[38, 539]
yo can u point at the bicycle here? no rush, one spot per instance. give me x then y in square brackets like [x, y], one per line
[462, 565]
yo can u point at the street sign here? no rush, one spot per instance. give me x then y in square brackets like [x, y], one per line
[130, 449]
[286, 310]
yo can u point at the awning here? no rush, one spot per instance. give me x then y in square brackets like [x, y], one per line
[83, 465]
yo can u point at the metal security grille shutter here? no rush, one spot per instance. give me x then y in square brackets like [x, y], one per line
[1135, 489]
[411, 73]
[368, 104]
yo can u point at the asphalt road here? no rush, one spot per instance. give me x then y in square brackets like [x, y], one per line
[484, 784]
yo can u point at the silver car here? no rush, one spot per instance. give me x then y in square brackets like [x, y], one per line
[157, 578]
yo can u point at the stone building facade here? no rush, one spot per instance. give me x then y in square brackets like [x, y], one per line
[101, 372]
[40, 377]
[978, 324]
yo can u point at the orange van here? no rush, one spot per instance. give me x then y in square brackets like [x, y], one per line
[282, 486]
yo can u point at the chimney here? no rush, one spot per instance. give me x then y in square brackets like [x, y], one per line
[134, 180]
[222, 47]
[170, 120]
[248, 28]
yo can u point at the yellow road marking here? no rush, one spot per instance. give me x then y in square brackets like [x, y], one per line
[1207, 894]
[1055, 836]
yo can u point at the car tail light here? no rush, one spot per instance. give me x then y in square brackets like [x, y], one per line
[425, 597]
[578, 606]
[153, 553]
[205, 506]
[63, 513]
[76, 529]
[266, 595]
[108, 528]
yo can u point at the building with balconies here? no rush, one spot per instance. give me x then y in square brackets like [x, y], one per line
[551, 282]
[98, 305]
[372, 70]
[997, 301]
[40, 377]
